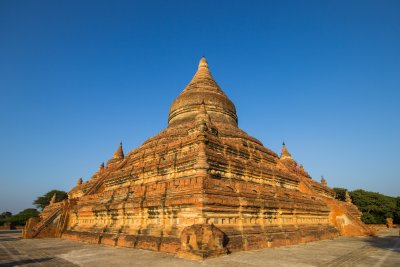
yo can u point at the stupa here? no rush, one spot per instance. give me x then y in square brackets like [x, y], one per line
[200, 188]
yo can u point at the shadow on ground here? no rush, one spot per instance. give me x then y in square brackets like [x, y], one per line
[23, 262]
[385, 242]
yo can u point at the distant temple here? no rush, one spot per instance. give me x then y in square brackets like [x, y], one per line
[200, 188]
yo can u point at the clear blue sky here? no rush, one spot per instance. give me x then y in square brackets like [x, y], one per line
[77, 77]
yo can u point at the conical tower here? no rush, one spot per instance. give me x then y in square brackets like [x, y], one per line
[201, 187]
[285, 153]
[203, 121]
[53, 199]
[118, 155]
[202, 89]
[323, 181]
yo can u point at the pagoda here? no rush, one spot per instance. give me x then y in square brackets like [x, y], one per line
[200, 188]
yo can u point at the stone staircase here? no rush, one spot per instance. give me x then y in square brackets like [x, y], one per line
[45, 222]
[355, 215]
[61, 210]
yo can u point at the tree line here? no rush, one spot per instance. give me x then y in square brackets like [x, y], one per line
[41, 202]
[375, 207]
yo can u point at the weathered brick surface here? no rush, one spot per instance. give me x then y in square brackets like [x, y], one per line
[201, 188]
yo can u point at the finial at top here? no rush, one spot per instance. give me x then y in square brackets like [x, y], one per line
[53, 199]
[323, 181]
[283, 143]
[119, 153]
[203, 63]
[285, 153]
[347, 197]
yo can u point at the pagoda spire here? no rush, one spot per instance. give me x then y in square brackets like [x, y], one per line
[323, 181]
[202, 87]
[203, 78]
[347, 197]
[202, 115]
[203, 121]
[285, 153]
[119, 153]
[203, 72]
[203, 62]
[53, 199]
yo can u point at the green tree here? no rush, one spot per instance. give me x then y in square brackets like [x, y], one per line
[5, 214]
[396, 216]
[340, 193]
[368, 218]
[43, 201]
[20, 218]
[374, 206]
[23, 216]
[4, 217]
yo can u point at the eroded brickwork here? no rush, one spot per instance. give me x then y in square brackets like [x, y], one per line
[200, 188]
